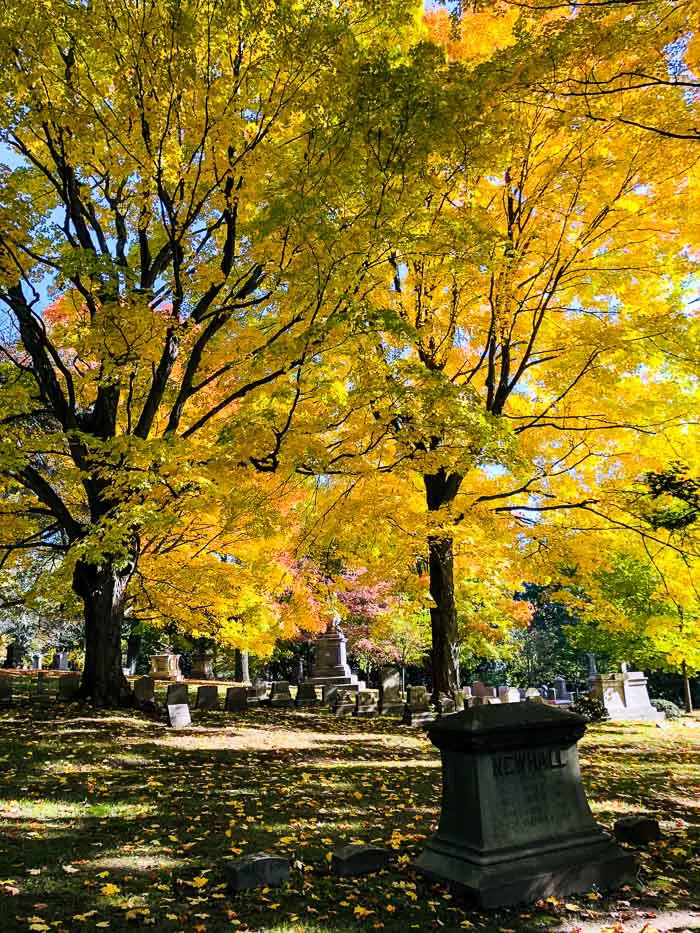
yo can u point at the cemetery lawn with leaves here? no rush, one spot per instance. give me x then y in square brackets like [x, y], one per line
[113, 821]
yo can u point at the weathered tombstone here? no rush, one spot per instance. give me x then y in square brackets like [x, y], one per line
[515, 824]
[13, 657]
[446, 705]
[532, 692]
[359, 860]
[391, 695]
[177, 694]
[144, 690]
[478, 688]
[624, 695]
[5, 691]
[330, 667]
[68, 686]
[551, 695]
[562, 695]
[486, 701]
[366, 702]
[343, 701]
[236, 699]
[36, 662]
[207, 697]
[306, 698]
[509, 694]
[60, 661]
[466, 692]
[417, 709]
[179, 715]
[280, 694]
[260, 870]
[166, 666]
[330, 692]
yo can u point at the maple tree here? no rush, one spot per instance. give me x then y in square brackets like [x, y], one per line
[157, 159]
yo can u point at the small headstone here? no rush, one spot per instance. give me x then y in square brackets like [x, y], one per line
[359, 860]
[637, 830]
[366, 702]
[60, 661]
[478, 688]
[535, 698]
[417, 709]
[179, 715]
[509, 694]
[562, 695]
[343, 702]
[68, 686]
[236, 699]
[36, 662]
[446, 705]
[306, 698]
[207, 697]
[466, 692]
[177, 694]
[260, 870]
[144, 690]
[391, 700]
[5, 691]
[280, 695]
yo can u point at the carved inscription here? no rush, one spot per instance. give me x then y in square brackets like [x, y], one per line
[528, 762]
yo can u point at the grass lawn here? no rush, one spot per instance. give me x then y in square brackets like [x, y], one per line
[111, 821]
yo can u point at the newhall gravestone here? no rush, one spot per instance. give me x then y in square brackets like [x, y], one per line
[515, 824]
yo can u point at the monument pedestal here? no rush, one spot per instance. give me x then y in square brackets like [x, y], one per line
[515, 824]
[624, 696]
[202, 666]
[166, 666]
[331, 668]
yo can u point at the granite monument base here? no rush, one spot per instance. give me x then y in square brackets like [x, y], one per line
[515, 824]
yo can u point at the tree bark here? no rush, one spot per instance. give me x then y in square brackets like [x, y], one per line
[242, 674]
[440, 490]
[687, 695]
[103, 590]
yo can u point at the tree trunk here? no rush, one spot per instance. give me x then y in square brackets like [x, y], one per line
[242, 674]
[440, 490]
[443, 618]
[686, 689]
[102, 589]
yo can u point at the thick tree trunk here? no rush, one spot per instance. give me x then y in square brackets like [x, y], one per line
[441, 489]
[242, 674]
[443, 618]
[102, 589]
[687, 695]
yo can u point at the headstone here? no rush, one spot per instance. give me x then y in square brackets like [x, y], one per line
[446, 705]
[592, 669]
[260, 870]
[202, 666]
[306, 698]
[5, 691]
[166, 666]
[367, 703]
[330, 691]
[391, 696]
[343, 701]
[532, 692]
[207, 697]
[60, 661]
[177, 694]
[179, 715]
[544, 691]
[417, 709]
[637, 830]
[551, 695]
[515, 824]
[466, 692]
[624, 696]
[236, 699]
[562, 695]
[359, 860]
[478, 688]
[68, 686]
[144, 690]
[280, 695]
[487, 701]
[36, 662]
[330, 667]
[509, 694]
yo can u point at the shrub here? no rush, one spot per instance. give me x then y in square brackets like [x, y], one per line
[665, 706]
[591, 709]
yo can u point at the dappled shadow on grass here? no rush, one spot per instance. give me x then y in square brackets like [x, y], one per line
[118, 814]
